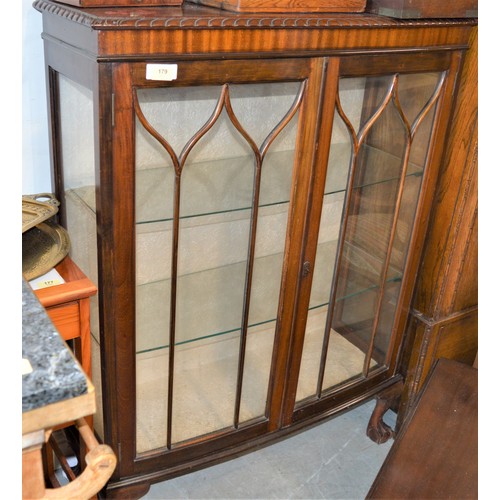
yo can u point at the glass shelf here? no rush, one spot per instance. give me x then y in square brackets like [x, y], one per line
[223, 179]
[199, 311]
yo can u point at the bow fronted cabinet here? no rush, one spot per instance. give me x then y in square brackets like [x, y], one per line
[252, 195]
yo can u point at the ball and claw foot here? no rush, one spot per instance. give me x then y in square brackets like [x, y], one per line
[377, 430]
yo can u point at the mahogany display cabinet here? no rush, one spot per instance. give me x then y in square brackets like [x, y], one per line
[251, 194]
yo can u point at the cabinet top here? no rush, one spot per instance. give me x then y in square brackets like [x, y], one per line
[135, 33]
[190, 16]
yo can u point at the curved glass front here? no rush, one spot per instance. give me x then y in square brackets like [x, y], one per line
[382, 128]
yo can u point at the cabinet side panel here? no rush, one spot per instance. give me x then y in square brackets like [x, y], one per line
[454, 206]
[446, 290]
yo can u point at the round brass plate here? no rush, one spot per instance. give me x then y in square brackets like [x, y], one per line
[38, 208]
[44, 246]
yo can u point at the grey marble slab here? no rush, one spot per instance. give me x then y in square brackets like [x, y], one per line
[56, 376]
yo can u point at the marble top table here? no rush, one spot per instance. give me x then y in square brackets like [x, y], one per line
[56, 390]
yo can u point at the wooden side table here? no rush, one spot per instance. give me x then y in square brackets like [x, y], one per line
[55, 391]
[68, 306]
[435, 454]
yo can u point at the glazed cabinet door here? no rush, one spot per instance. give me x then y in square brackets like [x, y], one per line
[390, 115]
[209, 181]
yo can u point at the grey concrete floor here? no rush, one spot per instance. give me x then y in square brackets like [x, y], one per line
[334, 460]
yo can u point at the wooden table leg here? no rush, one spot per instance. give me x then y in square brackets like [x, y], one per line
[33, 480]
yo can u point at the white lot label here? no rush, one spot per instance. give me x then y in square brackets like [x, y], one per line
[26, 366]
[162, 72]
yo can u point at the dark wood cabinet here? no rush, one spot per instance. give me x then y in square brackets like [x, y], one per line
[252, 194]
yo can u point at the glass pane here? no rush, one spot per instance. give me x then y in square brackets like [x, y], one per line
[152, 402]
[165, 109]
[379, 227]
[362, 264]
[413, 184]
[361, 97]
[211, 243]
[414, 90]
[210, 292]
[267, 267]
[259, 108]
[351, 318]
[258, 354]
[78, 164]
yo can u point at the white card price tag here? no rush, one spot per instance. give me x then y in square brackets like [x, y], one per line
[26, 366]
[161, 72]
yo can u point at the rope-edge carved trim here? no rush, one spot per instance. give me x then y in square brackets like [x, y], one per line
[236, 20]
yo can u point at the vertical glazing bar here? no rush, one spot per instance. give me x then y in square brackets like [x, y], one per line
[57, 172]
[248, 286]
[173, 304]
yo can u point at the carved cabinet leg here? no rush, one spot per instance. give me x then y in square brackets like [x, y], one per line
[377, 429]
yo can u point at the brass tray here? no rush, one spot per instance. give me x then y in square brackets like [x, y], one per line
[36, 211]
[44, 246]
